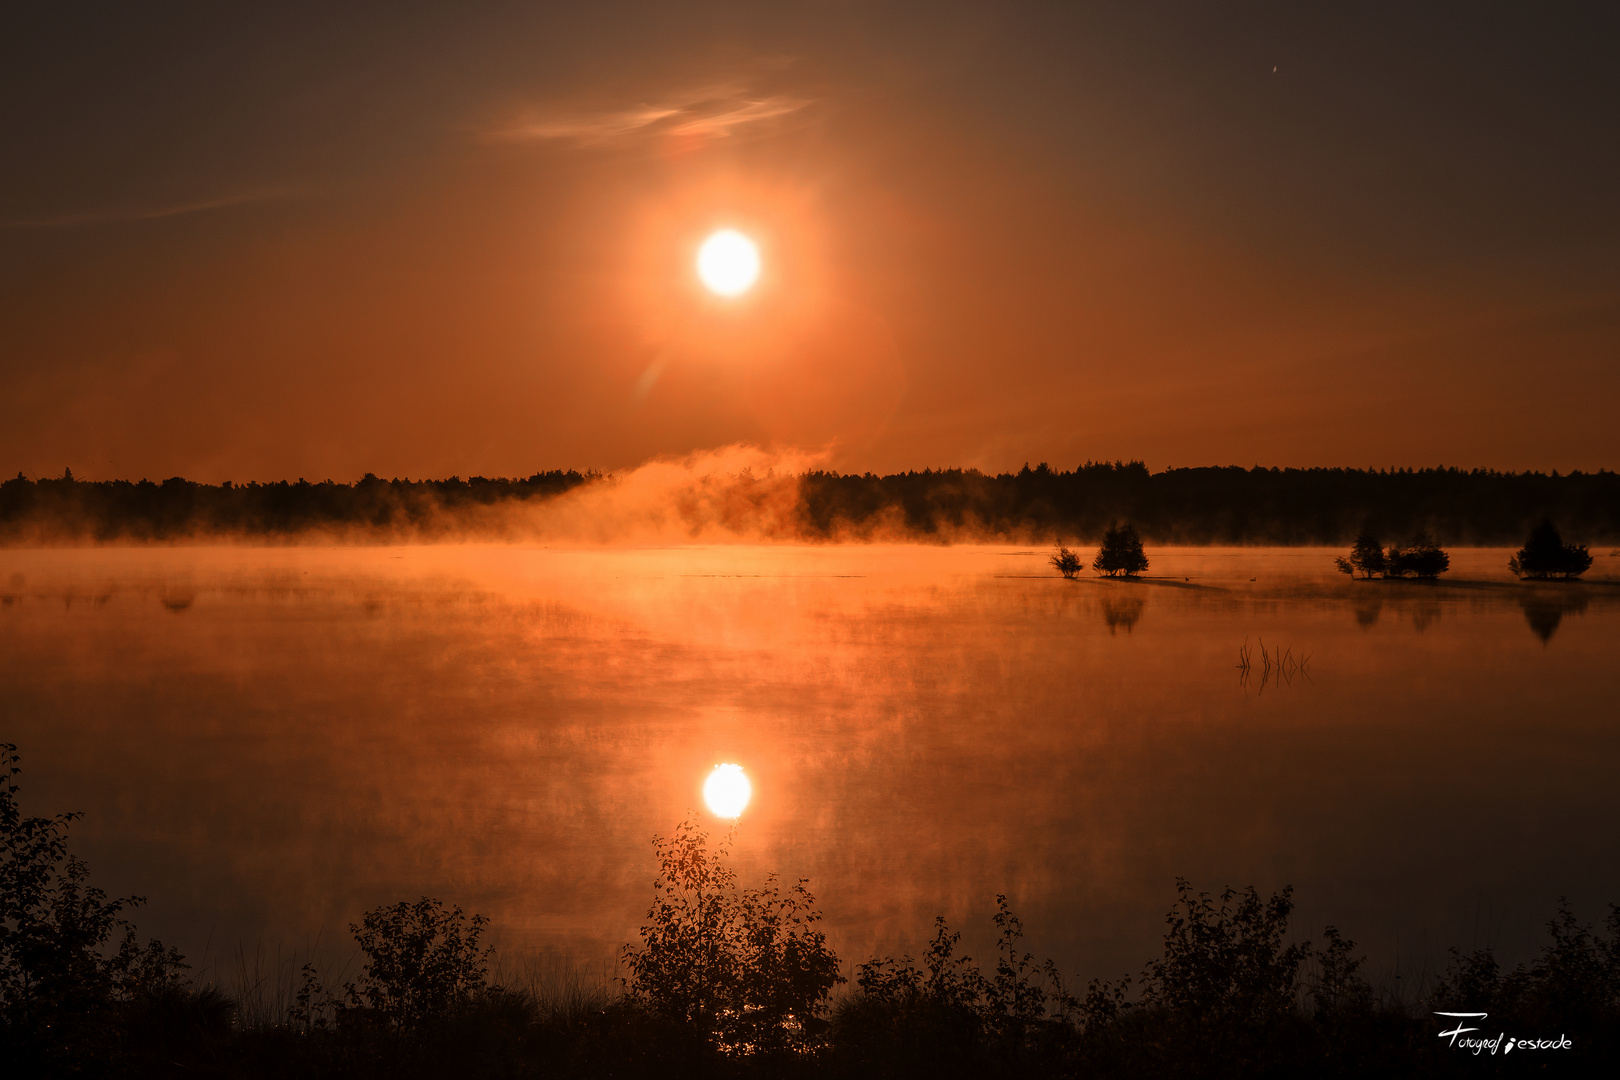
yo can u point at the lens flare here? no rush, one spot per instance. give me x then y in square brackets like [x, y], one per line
[727, 791]
[728, 262]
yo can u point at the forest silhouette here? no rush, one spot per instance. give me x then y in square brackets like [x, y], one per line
[1230, 505]
[69, 509]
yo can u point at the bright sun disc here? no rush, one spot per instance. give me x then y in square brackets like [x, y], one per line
[728, 262]
[727, 791]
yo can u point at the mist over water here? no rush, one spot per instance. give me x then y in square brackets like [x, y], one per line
[269, 741]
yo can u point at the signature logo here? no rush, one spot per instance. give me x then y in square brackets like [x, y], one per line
[1503, 1042]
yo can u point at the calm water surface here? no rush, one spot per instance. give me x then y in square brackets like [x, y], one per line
[269, 741]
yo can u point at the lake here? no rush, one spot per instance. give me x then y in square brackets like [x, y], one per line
[268, 741]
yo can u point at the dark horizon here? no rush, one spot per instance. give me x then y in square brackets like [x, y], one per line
[1209, 505]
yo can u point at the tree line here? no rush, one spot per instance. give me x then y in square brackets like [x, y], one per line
[66, 508]
[1215, 505]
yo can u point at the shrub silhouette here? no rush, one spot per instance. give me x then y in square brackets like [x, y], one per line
[1121, 552]
[1419, 557]
[1065, 562]
[1227, 997]
[1010, 1003]
[422, 964]
[1226, 964]
[949, 1018]
[746, 969]
[1573, 985]
[61, 993]
[1366, 558]
[422, 960]
[1545, 555]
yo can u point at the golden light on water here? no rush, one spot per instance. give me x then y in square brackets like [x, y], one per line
[726, 792]
[728, 263]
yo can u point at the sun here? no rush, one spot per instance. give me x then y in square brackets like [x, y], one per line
[727, 791]
[728, 263]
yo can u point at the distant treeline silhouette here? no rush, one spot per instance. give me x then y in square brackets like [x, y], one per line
[1214, 505]
[66, 508]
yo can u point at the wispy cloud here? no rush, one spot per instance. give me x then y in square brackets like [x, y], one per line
[721, 124]
[710, 113]
[151, 213]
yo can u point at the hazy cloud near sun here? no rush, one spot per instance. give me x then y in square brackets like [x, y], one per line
[713, 112]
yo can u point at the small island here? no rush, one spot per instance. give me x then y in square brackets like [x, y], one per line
[1420, 557]
[1545, 556]
[1120, 555]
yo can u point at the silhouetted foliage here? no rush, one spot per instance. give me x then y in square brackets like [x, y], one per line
[1065, 562]
[1366, 558]
[1419, 557]
[947, 1016]
[1229, 996]
[62, 992]
[745, 968]
[421, 960]
[423, 963]
[1121, 552]
[1226, 982]
[1545, 555]
[1573, 986]
[730, 983]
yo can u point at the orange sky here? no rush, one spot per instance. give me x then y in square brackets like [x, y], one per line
[419, 242]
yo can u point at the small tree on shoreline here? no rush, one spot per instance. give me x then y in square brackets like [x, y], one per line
[1545, 556]
[1121, 553]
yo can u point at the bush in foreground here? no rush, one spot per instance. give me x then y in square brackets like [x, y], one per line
[65, 990]
[423, 962]
[734, 983]
[745, 969]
